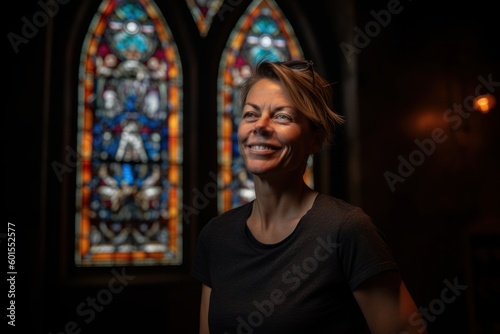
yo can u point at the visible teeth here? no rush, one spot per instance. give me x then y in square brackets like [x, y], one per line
[260, 147]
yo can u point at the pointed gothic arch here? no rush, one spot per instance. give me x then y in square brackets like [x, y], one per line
[129, 176]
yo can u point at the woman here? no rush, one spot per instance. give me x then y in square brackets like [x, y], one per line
[294, 260]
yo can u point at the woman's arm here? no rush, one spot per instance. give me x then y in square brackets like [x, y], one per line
[388, 306]
[205, 302]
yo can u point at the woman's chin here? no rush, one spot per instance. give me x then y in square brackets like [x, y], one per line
[260, 170]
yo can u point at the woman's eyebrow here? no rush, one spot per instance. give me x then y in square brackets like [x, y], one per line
[280, 107]
[253, 105]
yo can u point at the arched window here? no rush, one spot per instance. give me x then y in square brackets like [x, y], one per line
[262, 32]
[203, 12]
[129, 182]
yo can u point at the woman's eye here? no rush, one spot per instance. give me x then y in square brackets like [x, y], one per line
[248, 115]
[283, 117]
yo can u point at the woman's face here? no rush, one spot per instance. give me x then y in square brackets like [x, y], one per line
[274, 138]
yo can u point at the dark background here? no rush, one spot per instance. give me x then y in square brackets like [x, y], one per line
[442, 222]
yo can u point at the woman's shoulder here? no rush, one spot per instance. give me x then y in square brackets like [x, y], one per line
[342, 217]
[337, 213]
[330, 205]
[230, 217]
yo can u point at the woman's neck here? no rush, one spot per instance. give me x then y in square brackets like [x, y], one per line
[277, 211]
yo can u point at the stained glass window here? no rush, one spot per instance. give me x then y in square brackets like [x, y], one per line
[129, 189]
[262, 32]
[203, 12]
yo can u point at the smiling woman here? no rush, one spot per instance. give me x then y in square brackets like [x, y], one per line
[308, 92]
[272, 131]
[294, 260]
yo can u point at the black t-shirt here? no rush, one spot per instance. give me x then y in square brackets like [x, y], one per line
[302, 284]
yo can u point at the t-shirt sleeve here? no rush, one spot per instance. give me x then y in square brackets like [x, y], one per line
[363, 249]
[200, 270]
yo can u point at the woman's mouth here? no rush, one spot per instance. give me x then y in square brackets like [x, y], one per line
[261, 147]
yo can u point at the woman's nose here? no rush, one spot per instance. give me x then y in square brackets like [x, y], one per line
[262, 126]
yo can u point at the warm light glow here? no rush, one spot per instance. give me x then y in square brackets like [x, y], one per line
[484, 103]
[426, 120]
